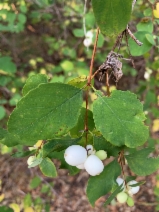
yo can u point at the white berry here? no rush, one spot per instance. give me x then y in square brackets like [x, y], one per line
[89, 34]
[101, 154]
[122, 197]
[30, 160]
[93, 165]
[89, 149]
[75, 155]
[120, 181]
[81, 166]
[87, 42]
[133, 190]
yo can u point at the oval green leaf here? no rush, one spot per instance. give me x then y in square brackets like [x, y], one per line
[112, 16]
[120, 119]
[46, 112]
[141, 164]
[33, 82]
[48, 168]
[102, 184]
[139, 50]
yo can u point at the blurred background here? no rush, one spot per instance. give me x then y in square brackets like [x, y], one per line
[55, 37]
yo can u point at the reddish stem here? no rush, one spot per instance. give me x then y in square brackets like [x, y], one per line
[121, 161]
[107, 83]
[86, 119]
[92, 60]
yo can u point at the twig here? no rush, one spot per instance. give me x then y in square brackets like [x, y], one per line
[122, 163]
[133, 37]
[92, 60]
[118, 41]
[147, 203]
[84, 19]
[86, 119]
[127, 43]
[107, 84]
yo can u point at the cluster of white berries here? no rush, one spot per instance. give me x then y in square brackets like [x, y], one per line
[87, 159]
[128, 191]
[89, 39]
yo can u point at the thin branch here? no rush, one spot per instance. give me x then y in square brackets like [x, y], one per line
[121, 161]
[84, 19]
[133, 37]
[107, 84]
[127, 43]
[92, 60]
[86, 119]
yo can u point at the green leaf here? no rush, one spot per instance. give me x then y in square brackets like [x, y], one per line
[100, 40]
[35, 182]
[60, 156]
[139, 50]
[148, 12]
[130, 178]
[78, 82]
[112, 16]
[77, 130]
[27, 201]
[23, 154]
[100, 143]
[7, 66]
[7, 70]
[138, 184]
[33, 82]
[78, 33]
[141, 164]
[48, 168]
[22, 18]
[5, 209]
[23, 8]
[14, 100]
[8, 139]
[46, 111]
[58, 145]
[35, 162]
[113, 195]
[120, 119]
[2, 112]
[145, 26]
[90, 19]
[150, 39]
[102, 184]
[67, 65]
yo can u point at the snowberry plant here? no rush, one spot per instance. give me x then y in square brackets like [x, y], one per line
[54, 115]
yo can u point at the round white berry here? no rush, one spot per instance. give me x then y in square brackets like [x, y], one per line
[30, 160]
[87, 42]
[81, 166]
[120, 181]
[133, 190]
[93, 165]
[89, 34]
[75, 155]
[89, 149]
[122, 197]
[101, 154]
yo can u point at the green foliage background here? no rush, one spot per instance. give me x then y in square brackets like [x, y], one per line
[46, 36]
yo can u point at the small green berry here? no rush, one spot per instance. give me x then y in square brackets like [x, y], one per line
[130, 201]
[101, 154]
[122, 197]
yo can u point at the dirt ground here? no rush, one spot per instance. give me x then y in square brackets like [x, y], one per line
[68, 192]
